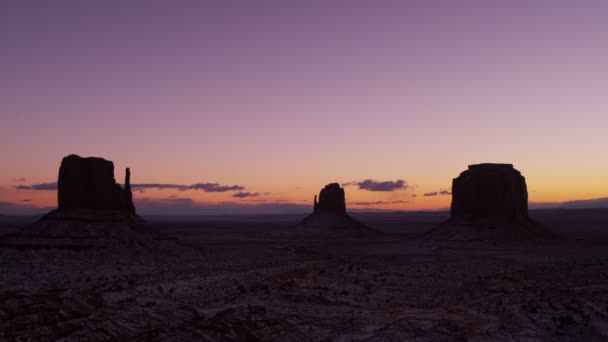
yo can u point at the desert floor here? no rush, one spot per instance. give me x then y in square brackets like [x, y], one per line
[250, 279]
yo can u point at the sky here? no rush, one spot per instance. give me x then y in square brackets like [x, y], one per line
[275, 99]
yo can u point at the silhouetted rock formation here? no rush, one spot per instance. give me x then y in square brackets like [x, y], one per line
[88, 183]
[329, 214]
[331, 199]
[490, 190]
[93, 210]
[489, 202]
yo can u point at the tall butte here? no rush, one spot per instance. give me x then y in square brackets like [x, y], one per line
[93, 211]
[489, 201]
[88, 183]
[329, 213]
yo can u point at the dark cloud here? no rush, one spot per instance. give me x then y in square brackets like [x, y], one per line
[160, 186]
[215, 187]
[40, 186]
[414, 195]
[379, 202]
[21, 180]
[246, 194]
[440, 192]
[368, 203]
[257, 200]
[187, 206]
[372, 185]
[207, 187]
[26, 200]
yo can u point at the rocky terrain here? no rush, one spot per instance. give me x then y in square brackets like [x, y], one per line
[239, 282]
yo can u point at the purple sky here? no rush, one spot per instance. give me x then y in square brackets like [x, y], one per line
[283, 97]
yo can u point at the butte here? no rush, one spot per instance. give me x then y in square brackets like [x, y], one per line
[329, 214]
[489, 202]
[93, 210]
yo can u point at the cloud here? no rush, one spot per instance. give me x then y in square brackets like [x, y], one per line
[159, 186]
[440, 192]
[258, 200]
[26, 200]
[379, 202]
[414, 195]
[215, 187]
[207, 187]
[21, 180]
[40, 186]
[372, 185]
[187, 206]
[246, 194]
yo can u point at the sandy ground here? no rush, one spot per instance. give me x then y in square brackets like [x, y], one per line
[239, 281]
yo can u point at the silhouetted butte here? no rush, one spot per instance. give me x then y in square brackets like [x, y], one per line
[88, 183]
[329, 213]
[331, 199]
[489, 201]
[490, 191]
[93, 210]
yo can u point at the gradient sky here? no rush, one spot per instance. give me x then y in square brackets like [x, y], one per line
[283, 97]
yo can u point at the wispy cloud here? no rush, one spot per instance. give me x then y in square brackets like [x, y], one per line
[379, 202]
[187, 206]
[40, 186]
[246, 194]
[437, 193]
[215, 187]
[373, 185]
[159, 186]
[206, 187]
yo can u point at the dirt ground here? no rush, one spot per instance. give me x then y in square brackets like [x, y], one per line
[253, 280]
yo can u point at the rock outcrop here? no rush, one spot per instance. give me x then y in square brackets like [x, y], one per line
[490, 191]
[88, 183]
[329, 215]
[331, 200]
[93, 211]
[489, 202]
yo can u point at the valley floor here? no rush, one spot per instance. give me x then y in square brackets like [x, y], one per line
[239, 282]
